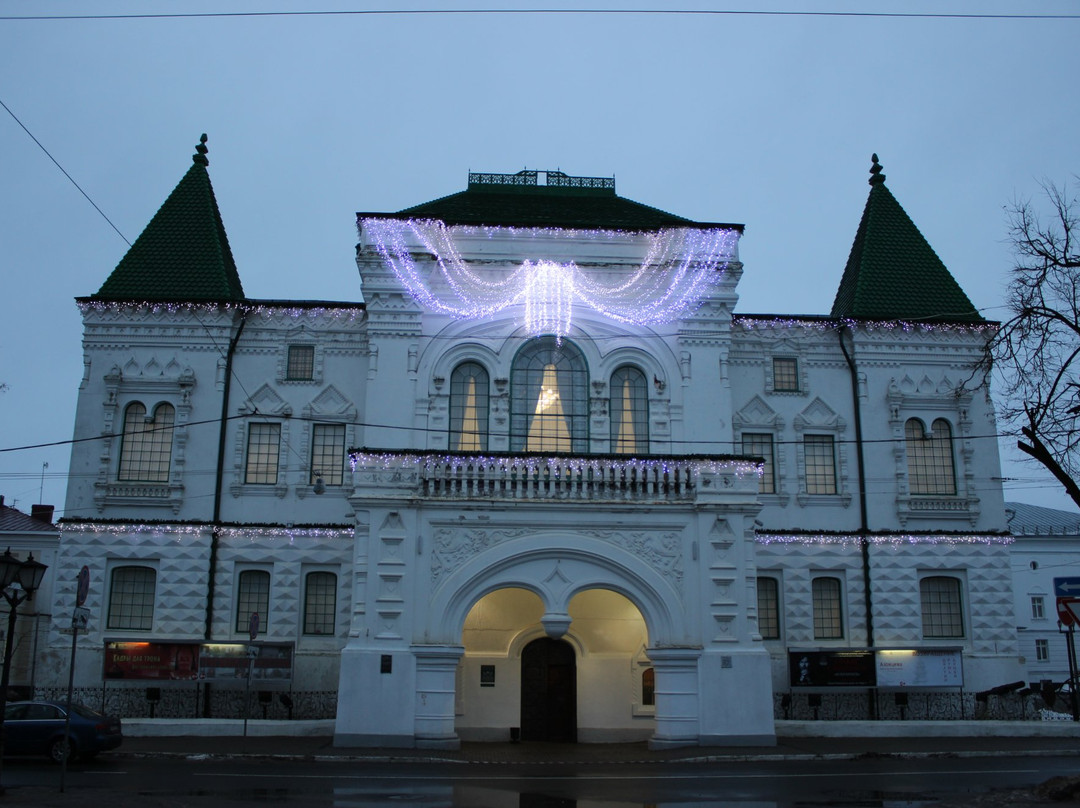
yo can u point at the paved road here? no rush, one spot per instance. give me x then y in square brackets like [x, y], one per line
[200, 781]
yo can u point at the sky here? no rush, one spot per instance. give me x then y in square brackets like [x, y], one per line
[763, 119]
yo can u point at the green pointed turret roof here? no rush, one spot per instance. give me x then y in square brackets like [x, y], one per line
[183, 255]
[893, 273]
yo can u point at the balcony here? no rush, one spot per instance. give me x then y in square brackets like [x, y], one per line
[562, 478]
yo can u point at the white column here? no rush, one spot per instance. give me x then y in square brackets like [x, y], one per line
[678, 700]
[436, 668]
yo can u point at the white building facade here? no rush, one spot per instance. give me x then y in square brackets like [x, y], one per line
[544, 482]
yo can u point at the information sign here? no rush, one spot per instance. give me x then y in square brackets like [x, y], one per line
[920, 667]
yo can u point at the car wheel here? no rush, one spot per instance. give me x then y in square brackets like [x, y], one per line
[59, 747]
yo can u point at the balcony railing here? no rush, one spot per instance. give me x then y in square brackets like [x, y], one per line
[586, 478]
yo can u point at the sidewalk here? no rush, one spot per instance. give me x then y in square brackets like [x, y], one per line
[795, 740]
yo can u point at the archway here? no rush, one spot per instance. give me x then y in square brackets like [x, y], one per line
[548, 691]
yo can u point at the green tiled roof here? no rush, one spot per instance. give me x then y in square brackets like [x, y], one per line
[893, 273]
[183, 254]
[518, 200]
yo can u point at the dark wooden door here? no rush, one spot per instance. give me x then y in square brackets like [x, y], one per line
[548, 691]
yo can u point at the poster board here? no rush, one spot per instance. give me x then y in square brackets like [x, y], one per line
[920, 667]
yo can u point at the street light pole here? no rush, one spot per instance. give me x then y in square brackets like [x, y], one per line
[18, 582]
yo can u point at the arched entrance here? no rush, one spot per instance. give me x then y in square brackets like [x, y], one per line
[548, 691]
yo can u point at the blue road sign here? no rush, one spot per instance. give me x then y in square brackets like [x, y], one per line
[1067, 587]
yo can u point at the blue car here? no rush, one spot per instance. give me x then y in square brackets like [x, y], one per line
[37, 728]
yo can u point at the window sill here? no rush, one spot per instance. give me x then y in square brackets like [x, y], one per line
[145, 495]
[954, 508]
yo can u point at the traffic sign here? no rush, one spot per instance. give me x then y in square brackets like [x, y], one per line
[1068, 610]
[253, 625]
[1067, 587]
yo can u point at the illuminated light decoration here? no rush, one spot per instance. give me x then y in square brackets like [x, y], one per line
[348, 312]
[845, 540]
[680, 265]
[759, 323]
[555, 465]
[253, 532]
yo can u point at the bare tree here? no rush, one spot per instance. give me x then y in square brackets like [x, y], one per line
[1036, 351]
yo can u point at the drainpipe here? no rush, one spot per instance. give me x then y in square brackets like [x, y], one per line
[864, 522]
[218, 486]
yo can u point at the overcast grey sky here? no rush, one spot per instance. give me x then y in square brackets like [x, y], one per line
[760, 119]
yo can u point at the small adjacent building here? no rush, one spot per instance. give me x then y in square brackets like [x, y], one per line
[25, 536]
[541, 479]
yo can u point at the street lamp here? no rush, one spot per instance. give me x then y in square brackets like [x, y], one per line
[18, 582]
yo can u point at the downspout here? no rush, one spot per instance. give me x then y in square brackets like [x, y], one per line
[219, 479]
[864, 522]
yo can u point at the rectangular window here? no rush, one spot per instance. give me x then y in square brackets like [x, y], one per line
[785, 374]
[768, 608]
[941, 609]
[131, 598]
[264, 441]
[320, 603]
[301, 363]
[820, 462]
[1042, 650]
[761, 445]
[328, 453]
[1038, 608]
[828, 609]
[252, 597]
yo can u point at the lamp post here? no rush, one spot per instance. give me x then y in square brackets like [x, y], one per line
[18, 582]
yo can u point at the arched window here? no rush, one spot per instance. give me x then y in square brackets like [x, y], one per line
[828, 609]
[252, 596]
[469, 408]
[320, 602]
[930, 458]
[942, 615]
[550, 400]
[629, 412]
[768, 607]
[146, 450]
[131, 598]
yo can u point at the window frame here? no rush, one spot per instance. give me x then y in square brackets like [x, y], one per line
[309, 624]
[460, 376]
[270, 458]
[833, 619]
[638, 410]
[526, 379]
[932, 603]
[825, 478]
[1042, 649]
[931, 462]
[768, 608]
[1038, 607]
[146, 453]
[332, 472]
[125, 599]
[786, 369]
[767, 480]
[248, 595]
[304, 356]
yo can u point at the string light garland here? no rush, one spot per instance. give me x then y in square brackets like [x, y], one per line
[895, 540]
[347, 311]
[679, 267]
[830, 324]
[253, 533]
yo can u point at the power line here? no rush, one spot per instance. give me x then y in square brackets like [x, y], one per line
[670, 12]
[70, 178]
